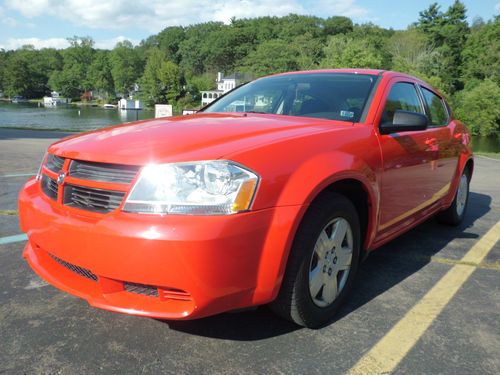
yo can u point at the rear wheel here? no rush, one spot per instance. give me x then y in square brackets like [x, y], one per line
[454, 214]
[322, 264]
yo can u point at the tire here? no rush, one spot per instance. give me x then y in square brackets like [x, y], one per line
[297, 301]
[454, 214]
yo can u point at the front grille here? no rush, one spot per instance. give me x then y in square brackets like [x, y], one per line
[49, 187]
[92, 199]
[117, 173]
[147, 290]
[54, 163]
[76, 269]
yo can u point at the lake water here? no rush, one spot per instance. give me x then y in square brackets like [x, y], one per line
[77, 118]
[29, 115]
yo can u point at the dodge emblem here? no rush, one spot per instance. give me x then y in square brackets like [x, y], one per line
[60, 178]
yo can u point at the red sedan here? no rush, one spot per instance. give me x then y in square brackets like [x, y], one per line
[272, 194]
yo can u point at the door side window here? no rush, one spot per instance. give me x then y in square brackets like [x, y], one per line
[437, 111]
[403, 96]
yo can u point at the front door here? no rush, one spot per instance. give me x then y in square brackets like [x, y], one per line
[409, 161]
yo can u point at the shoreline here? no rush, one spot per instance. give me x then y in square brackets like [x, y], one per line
[32, 128]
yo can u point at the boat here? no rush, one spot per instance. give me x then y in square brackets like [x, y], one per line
[109, 106]
[19, 99]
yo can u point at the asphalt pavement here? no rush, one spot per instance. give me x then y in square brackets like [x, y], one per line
[46, 331]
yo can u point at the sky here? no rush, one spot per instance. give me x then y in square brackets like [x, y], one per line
[47, 23]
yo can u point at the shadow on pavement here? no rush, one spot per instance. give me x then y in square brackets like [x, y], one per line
[384, 268]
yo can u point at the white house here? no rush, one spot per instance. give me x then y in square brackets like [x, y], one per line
[130, 104]
[54, 99]
[224, 84]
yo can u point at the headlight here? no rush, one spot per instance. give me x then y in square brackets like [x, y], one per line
[39, 173]
[198, 188]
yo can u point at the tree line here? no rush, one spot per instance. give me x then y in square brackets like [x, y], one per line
[173, 66]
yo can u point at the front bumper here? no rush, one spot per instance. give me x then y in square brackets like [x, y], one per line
[195, 265]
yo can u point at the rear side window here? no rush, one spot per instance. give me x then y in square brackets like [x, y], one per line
[403, 96]
[437, 110]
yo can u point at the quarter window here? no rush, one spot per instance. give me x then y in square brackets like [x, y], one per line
[402, 97]
[437, 111]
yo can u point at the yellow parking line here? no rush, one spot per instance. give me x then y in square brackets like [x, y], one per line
[393, 347]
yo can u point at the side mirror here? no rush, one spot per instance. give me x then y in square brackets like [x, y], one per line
[405, 121]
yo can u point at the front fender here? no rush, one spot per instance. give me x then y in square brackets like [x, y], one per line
[302, 187]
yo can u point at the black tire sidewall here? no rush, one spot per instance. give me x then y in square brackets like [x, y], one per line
[339, 207]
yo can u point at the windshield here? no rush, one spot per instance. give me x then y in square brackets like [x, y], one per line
[334, 96]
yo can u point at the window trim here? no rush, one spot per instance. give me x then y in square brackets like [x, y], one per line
[417, 91]
[427, 109]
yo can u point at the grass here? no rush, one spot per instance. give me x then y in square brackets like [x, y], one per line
[8, 212]
[493, 155]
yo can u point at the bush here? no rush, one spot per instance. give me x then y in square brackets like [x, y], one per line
[478, 108]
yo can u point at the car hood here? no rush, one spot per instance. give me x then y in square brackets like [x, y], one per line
[194, 137]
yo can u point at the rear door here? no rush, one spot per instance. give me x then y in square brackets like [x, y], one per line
[443, 145]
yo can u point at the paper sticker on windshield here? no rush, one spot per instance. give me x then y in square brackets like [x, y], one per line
[347, 114]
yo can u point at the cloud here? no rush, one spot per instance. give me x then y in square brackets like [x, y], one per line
[15, 43]
[110, 43]
[154, 15]
[328, 8]
[497, 7]
[60, 43]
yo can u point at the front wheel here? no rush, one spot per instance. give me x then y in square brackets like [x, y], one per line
[322, 264]
[454, 214]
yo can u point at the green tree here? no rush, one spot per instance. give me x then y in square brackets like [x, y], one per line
[194, 48]
[151, 86]
[481, 54]
[447, 32]
[170, 78]
[99, 74]
[337, 25]
[226, 47]
[161, 81]
[430, 22]
[270, 57]
[169, 41]
[24, 74]
[195, 84]
[346, 52]
[71, 81]
[478, 108]
[126, 67]
[3, 62]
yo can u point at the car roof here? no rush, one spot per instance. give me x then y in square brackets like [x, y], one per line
[355, 71]
[378, 72]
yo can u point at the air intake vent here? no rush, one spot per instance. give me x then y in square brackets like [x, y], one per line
[76, 269]
[91, 199]
[54, 163]
[117, 173]
[49, 187]
[147, 290]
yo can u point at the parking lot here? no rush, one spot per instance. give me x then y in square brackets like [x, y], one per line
[46, 331]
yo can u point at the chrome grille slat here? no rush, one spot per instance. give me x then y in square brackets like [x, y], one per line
[54, 163]
[76, 269]
[49, 187]
[103, 193]
[92, 199]
[105, 172]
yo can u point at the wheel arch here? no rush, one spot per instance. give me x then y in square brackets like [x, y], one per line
[358, 189]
